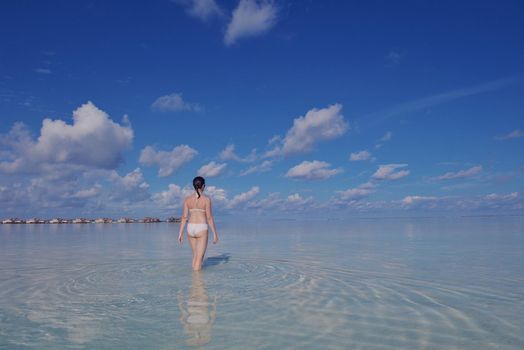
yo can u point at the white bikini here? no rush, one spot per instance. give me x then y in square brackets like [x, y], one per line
[194, 229]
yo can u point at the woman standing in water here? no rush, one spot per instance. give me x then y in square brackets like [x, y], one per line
[199, 206]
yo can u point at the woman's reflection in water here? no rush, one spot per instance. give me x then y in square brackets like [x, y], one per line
[197, 314]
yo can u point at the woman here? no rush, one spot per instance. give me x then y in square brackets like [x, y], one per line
[200, 208]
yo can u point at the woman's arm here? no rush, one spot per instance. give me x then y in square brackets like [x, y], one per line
[211, 221]
[183, 223]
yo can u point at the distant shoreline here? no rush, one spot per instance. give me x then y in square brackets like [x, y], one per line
[58, 221]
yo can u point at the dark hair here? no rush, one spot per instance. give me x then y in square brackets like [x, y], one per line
[198, 183]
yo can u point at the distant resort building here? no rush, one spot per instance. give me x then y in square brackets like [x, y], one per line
[148, 220]
[126, 220]
[104, 221]
[81, 221]
[173, 219]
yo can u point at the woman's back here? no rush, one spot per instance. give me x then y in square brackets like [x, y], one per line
[197, 208]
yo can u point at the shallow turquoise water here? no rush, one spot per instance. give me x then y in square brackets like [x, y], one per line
[447, 283]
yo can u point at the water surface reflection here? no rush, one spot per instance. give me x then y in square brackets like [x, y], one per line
[197, 313]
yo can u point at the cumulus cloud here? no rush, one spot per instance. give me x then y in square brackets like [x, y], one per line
[243, 197]
[502, 197]
[317, 125]
[354, 194]
[274, 202]
[492, 202]
[88, 192]
[250, 18]
[361, 155]
[173, 197]
[92, 141]
[511, 201]
[312, 170]
[167, 162]
[390, 172]
[217, 194]
[201, 9]
[212, 169]
[461, 174]
[229, 153]
[259, 168]
[130, 187]
[515, 134]
[174, 103]
[414, 200]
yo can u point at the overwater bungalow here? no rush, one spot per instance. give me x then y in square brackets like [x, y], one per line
[173, 219]
[8, 221]
[32, 221]
[104, 221]
[126, 220]
[149, 220]
[81, 221]
[55, 221]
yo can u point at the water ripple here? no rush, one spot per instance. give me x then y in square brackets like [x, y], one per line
[296, 304]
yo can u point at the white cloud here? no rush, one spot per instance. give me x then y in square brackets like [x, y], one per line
[173, 197]
[317, 125]
[386, 138]
[262, 167]
[131, 187]
[92, 141]
[202, 9]
[389, 172]
[229, 153]
[502, 197]
[275, 203]
[461, 174]
[243, 197]
[438, 99]
[216, 193]
[298, 203]
[250, 18]
[361, 155]
[174, 103]
[212, 169]
[515, 134]
[354, 194]
[414, 200]
[312, 170]
[168, 162]
[88, 192]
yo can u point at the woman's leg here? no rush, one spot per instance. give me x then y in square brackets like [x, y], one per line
[193, 244]
[200, 248]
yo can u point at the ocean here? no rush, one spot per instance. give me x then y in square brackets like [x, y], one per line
[367, 283]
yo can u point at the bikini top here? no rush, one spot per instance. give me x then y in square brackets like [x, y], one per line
[197, 209]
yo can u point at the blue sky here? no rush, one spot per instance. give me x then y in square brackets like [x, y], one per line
[323, 108]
